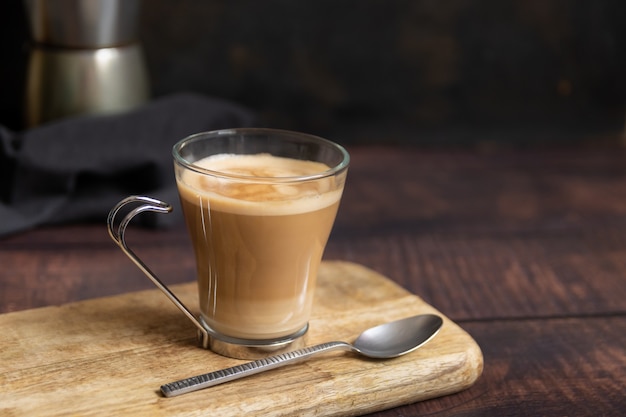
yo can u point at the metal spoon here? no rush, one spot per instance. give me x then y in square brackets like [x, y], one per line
[385, 341]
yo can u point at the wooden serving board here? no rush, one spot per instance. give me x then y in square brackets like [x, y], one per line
[109, 356]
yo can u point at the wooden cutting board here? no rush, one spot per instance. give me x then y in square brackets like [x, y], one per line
[109, 356]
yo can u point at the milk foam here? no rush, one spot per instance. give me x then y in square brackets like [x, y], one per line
[263, 186]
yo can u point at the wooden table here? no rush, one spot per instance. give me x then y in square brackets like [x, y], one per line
[525, 249]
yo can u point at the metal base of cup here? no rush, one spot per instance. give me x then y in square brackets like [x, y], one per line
[251, 349]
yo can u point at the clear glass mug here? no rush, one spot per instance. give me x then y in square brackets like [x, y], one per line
[259, 205]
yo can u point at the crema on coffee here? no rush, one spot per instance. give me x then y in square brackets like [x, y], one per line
[258, 236]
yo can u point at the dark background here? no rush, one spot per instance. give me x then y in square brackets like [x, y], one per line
[399, 71]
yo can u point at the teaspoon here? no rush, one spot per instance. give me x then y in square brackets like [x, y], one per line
[385, 341]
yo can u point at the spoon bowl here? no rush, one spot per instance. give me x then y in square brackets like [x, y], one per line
[398, 337]
[384, 341]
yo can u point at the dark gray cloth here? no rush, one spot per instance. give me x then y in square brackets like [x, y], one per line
[77, 169]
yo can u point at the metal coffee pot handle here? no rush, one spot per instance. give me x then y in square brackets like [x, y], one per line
[146, 204]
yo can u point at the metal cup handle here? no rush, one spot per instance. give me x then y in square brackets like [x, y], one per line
[143, 204]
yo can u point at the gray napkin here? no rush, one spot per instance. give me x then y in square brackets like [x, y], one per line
[77, 169]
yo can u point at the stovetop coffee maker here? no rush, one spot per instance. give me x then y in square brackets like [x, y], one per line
[85, 59]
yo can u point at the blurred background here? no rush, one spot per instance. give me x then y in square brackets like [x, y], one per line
[457, 72]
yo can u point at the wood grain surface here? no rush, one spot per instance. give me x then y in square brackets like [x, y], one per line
[109, 356]
[523, 248]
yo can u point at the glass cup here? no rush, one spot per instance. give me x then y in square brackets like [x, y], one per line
[259, 205]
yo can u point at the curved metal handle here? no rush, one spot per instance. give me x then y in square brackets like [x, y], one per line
[144, 204]
[210, 379]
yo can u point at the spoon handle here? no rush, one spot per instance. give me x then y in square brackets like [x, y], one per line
[210, 379]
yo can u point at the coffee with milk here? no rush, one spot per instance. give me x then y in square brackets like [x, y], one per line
[258, 236]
